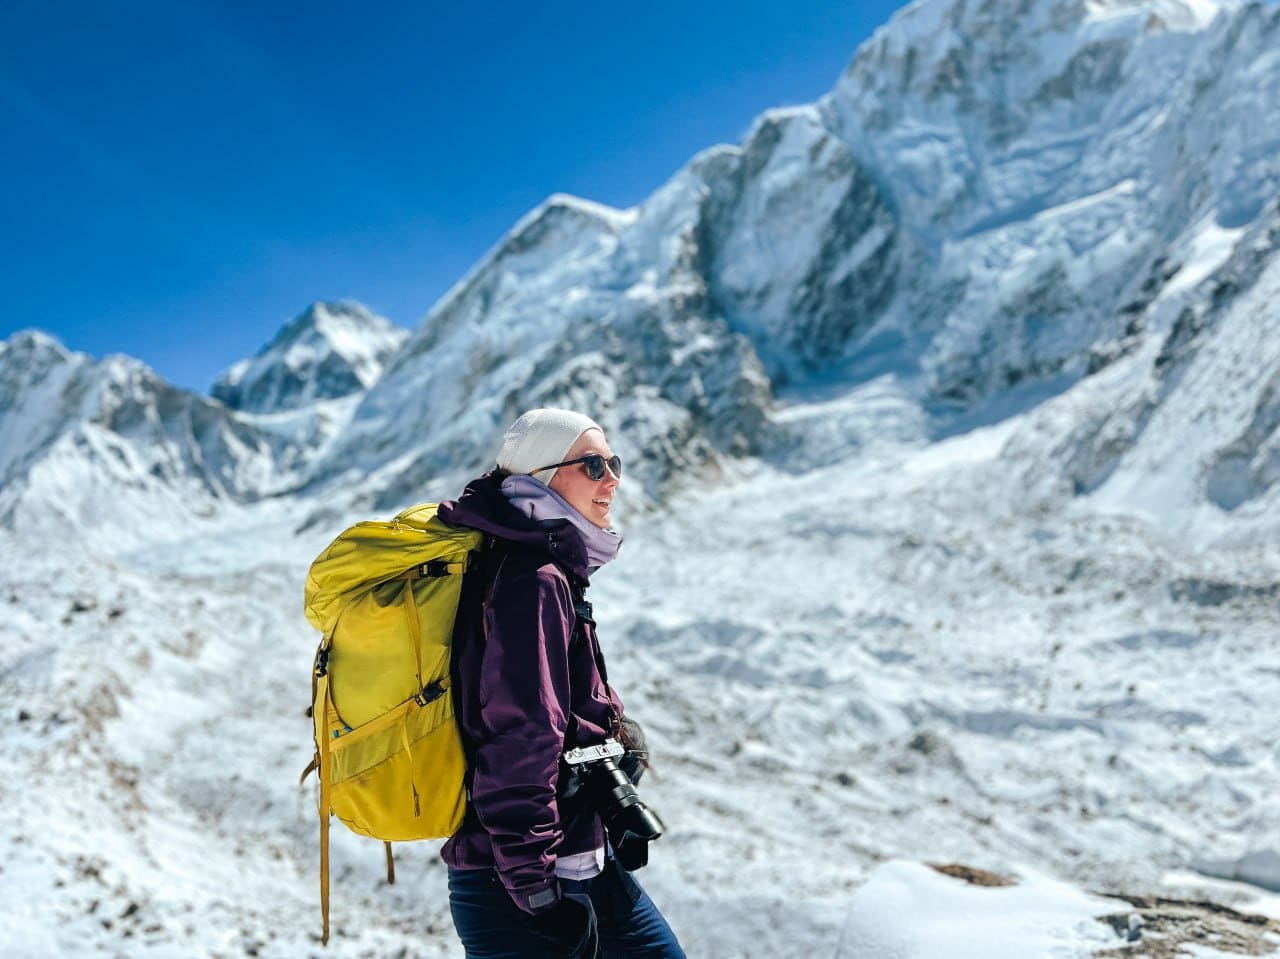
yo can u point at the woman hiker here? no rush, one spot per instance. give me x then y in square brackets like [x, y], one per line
[532, 872]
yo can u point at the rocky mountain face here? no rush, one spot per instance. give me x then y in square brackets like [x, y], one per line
[674, 322]
[1184, 425]
[994, 202]
[1060, 163]
[567, 311]
[329, 351]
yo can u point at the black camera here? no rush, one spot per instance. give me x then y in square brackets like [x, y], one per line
[629, 823]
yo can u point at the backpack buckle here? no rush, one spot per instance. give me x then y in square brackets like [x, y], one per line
[429, 694]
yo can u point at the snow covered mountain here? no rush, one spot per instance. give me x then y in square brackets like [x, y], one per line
[954, 407]
[993, 202]
[100, 447]
[329, 351]
[1063, 165]
[111, 452]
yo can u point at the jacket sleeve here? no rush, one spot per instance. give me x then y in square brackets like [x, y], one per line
[524, 708]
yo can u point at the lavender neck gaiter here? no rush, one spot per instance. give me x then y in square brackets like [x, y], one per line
[541, 503]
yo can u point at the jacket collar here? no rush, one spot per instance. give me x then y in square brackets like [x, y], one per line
[483, 506]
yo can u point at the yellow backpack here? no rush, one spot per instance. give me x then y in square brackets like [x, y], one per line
[388, 751]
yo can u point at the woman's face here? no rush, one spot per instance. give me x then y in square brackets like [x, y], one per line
[591, 498]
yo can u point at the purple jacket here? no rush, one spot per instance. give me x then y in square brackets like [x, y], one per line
[525, 690]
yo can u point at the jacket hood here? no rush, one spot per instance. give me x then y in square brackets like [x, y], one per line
[485, 507]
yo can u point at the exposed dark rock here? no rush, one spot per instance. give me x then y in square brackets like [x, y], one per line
[973, 875]
[1159, 928]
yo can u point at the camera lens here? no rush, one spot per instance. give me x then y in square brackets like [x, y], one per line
[620, 807]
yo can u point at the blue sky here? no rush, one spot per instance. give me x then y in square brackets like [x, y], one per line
[181, 178]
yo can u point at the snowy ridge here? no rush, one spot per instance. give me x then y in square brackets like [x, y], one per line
[329, 351]
[658, 319]
[547, 321]
[99, 447]
[109, 453]
[34, 373]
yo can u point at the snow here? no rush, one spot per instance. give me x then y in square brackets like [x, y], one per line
[909, 911]
[1185, 15]
[1167, 471]
[1205, 250]
[1177, 882]
[987, 575]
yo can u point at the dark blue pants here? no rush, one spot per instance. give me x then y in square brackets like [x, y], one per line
[491, 926]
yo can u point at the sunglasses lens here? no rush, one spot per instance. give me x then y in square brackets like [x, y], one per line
[595, 464]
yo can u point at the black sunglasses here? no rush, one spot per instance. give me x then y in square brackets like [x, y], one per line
[595, 464]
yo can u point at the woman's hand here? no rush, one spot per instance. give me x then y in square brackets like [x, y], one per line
[569, 927]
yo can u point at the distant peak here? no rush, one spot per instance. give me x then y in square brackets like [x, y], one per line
[323, 315]
[34, 341]
[943, 25]
[777, 116]
[330, 349]
[561, 207]
[559, 220]
[589, 208]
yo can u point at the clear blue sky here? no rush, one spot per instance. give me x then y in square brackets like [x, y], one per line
[181, 178]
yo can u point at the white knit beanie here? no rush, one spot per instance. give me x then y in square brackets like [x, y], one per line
[540, 438]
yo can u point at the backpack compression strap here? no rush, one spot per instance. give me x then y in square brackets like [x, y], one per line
[322, 724]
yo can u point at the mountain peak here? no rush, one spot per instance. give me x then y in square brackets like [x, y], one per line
[330, 350]
[27, 358]
[33, 342]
